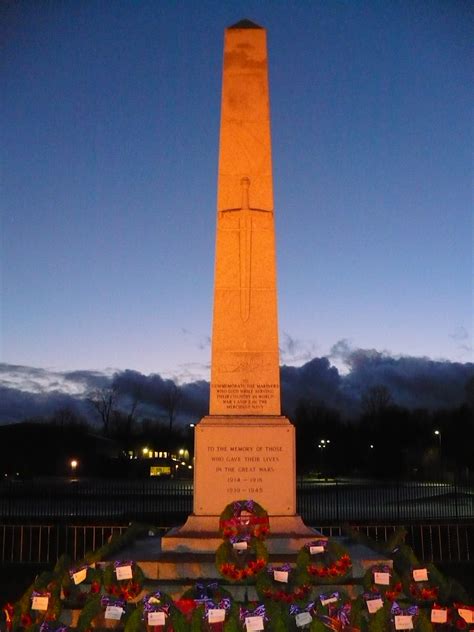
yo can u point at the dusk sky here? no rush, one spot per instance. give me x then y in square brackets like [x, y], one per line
[109, 136]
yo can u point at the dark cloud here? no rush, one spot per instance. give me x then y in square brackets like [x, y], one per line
[296, 350]
[413, 383]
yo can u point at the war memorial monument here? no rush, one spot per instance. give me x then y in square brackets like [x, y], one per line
[244, 449]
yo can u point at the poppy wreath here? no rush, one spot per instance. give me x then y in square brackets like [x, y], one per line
[74, 594]
[422, 592]
[282, 584]
[244, 517]
[126, 589]
[241, 566]
[374, 581]
[148, 615]
[28, 617]
[463, 616]
[331, 562]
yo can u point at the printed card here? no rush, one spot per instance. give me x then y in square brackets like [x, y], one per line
[303, 618]
[156, 618]
[383, 579]
[439, 615]
[114, 613]
[373, 605]
[420, 574]
[403, 622]
[240, 546]
[252, 624]
[317, 548]
[80, 576]
[280, 576]
[331, 599]
[124, 572]
[40, 602]
[467, 615]
[216, 615]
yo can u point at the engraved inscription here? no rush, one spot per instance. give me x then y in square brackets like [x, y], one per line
[252, 397]
[245, 467]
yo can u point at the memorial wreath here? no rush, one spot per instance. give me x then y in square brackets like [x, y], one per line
[282, 584]
[244, 517]
[123, 579]
[323, 560]
[241, 564]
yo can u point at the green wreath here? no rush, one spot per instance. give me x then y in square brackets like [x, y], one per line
[390, 591]
[127, 589]
[156, 602]
[27, 618]
[236, 567]
[296, 589]
[254, 522]
[325, 567]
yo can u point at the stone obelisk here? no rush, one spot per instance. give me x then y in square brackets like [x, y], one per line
[244, 449]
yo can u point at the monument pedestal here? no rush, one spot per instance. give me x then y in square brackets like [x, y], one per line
[242, 458]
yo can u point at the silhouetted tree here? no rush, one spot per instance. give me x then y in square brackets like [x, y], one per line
[104, 401]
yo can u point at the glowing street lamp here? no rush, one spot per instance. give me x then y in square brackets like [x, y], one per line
[438, 434]
[73, 463]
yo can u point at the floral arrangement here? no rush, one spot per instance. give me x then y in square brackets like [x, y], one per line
[282, 584]
[244, 517]
[156, 612]
[423, 585]
[41, 602]
[241, 565]
[323, 561]
[123, 579]
[383, 580]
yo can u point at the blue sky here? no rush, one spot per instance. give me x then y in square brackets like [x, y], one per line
[109, 135]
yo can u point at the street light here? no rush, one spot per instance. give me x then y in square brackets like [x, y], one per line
[438, 434]
[73, 464]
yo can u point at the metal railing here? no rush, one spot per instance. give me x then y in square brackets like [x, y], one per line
[170, 502]
[44, 544]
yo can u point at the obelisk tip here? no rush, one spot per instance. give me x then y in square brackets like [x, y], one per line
[245, 24]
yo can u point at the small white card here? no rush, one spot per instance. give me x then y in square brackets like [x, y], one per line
[280, 576]
[123, 572]
[240, 546]
[324, 602]
[40, 602]
[403, 622]
[383, 579]
[373, 605]
[114, 613]
[420, 574]
[303, 618]
[254, 623]
[439, 615]
[467, 615]
[80, 576]
[317, 548]
[216, 615]
[156, 618]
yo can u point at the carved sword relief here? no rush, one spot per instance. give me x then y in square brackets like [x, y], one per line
[245, 214]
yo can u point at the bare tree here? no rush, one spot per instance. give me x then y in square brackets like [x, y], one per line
[104, 400]
[376, 400]
[170, 401]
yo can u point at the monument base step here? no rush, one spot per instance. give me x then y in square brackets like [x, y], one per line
[200, 534]
[179, 566]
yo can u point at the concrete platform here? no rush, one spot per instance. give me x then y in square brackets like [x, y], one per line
[200, 534]
[185, 567]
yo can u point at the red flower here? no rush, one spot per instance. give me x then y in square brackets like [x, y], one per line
[95, 587]
[26, 620]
